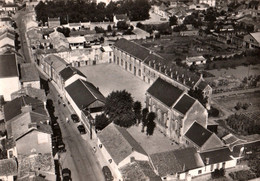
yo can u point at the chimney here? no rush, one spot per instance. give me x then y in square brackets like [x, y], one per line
[207, 161]
[132, 159]
[26, 108]
[149, 63]
[176, 72]
[160, 68]
[189, 78]
[184, 81]
[201, 76]
[182, 75]
[172, 75]
[154, 65]
[165, 71]
[177, 78]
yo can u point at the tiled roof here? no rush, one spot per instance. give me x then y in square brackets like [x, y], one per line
[29, 73]
[184, 104]
[119, 143]
[84, 93]
[28, 122]
[33, 163]
[168, 96]
[216, 156]
[56, 62]
[8, 66]
[69, 71]
[198, 134]
[13, 108]
[202, 85]
[166, 163]
[188, 158]
[132, 48]
[32, 92]
[139, 170]
[8, 167]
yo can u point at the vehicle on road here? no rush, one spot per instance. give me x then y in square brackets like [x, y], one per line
[66, 174]
[107, 173]
[75, 118]
[81, 129]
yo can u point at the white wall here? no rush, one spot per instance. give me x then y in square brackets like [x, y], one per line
[7, 178]
[73, 79]
[8, 86]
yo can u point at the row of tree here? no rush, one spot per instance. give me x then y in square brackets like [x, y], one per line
[123, 111]
[81, 11]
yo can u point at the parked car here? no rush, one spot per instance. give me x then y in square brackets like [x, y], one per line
[75, 118]
[81, 129]
[107, 173]
[66, 174]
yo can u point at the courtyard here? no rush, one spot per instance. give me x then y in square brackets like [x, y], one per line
[110, 77]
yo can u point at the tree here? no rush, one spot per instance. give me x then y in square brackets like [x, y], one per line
[137, 110]
[121, 25]
[173, 20]
[150, 123]
[119, 108]
[101, 121]
[109, 28]
[144, 116]
[65, 31]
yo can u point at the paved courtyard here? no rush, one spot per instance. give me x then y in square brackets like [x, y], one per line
[110, 77]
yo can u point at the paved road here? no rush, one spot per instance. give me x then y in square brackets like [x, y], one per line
[235, 92]
[79, 157]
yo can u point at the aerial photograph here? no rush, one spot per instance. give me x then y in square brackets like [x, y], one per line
[129, 90]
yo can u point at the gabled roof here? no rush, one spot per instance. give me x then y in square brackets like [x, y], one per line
[13, 108]
[184, 104]
[84, 93]
[119, 143]
[31, 92]
[216, 156]
[198, 134]
[132, 48]
[69, 71]
[28, 122]
[165, 92]
[256, 36]
[56, 62]
[139, 170]
[8, 167]
[29, 72]
[8, 66]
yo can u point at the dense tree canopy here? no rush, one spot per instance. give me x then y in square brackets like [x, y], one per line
[101, 121]
[119, 108]
[86, 11]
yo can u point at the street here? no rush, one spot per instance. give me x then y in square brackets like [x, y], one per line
[79, 157]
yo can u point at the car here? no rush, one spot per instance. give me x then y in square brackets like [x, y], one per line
[66, 174]
[107, 173]
[81, 129]
[75, 118]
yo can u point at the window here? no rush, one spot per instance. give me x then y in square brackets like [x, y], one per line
[199, 171]
[139, 72]
[110, 53]
[122, 62]
[11, 153]
[130, 67]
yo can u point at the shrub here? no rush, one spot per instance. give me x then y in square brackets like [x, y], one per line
[213, 112]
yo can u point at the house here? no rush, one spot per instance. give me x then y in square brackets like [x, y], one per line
[9, 75]
[84, 96]
[201, 138]
[52, 65]
[160, 10]
[148, 66]
[216, 159]
[106, 55]
[6, 23]
[10, 7]
[31, 92]
[69, 75]
[33, 127]
[8, 169]
[177, 164]
[120, 17]
[59, 41]
[197, 60]
[139, 170]
[53, 22]
[119, 148]
[7, 38]
[9, 1]
[76, 42]
[252, 40]
[211, 3]
[29, 76]
[175, 109]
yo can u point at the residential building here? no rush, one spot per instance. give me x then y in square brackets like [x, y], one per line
[59, 41]
[201, 138]
[197, 60]
[29, 76]
[76, 42]
[106, 55]
[211, 3]
[10, 7]
[8, 169]
[6, 24]
[148, 66]
[120, 17]
[252, 40]
[119, 148]
[7, 38]
[160, 10]
[85, 99]
[175, 110]
[9, 75]
[53, 22]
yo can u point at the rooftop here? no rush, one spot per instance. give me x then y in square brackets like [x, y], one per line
[29, 72]
[216, 156]
[256, 36]
[69, 71]
[184, 104]
[56, 62]
[78, 39]
[31, 92]
[119, 143]
[84, 93]
[168, 96]
[8, 66]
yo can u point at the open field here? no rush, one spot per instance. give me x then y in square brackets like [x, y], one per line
[110, 77]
